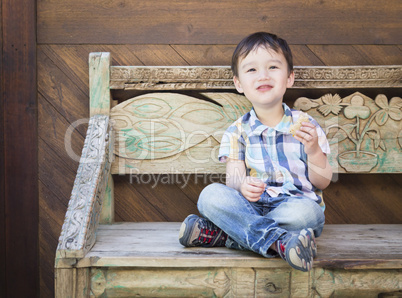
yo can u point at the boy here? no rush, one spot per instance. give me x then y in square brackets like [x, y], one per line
[268, 204]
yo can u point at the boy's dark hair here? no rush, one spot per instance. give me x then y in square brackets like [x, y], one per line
[255, 40]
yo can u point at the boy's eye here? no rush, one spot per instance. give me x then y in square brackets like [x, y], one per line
[251, 70]
[273, 67]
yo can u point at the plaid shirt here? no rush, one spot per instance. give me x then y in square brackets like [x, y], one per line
[272, 154]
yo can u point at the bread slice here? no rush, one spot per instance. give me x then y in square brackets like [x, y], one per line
[296, 126]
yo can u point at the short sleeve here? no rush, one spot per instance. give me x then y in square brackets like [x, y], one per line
[232, 145]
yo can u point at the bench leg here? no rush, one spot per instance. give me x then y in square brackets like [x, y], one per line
[71, 282]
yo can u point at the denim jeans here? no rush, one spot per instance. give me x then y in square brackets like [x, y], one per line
[257, 225]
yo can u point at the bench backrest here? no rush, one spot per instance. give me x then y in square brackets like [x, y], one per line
[165, 130]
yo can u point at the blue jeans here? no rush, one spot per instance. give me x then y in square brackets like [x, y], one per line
[256, 226]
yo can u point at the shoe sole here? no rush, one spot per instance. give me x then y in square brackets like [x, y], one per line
[186, 231]
[313, 243]
[299, 251]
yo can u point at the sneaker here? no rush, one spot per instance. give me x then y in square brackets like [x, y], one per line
[298, 250]
[198, 231]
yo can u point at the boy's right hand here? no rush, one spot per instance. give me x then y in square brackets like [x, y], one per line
[252, 188]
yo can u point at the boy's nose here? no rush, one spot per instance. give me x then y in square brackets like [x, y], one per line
[264, 74]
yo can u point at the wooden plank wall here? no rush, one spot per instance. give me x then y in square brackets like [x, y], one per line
[191, 33]
[19, 215]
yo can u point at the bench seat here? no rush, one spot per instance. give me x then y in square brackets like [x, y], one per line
[146, 259]
[155, 244]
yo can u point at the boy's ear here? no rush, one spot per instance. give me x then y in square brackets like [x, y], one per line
[291, 79]
[237, 84]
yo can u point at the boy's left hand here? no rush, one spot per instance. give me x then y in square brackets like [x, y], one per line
[307, 134]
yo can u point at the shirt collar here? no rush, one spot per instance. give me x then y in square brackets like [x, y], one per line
[257, 127]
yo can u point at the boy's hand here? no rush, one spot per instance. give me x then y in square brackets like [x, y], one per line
[252, 188]
[308, 136]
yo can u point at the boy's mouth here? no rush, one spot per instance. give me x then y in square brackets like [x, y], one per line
[264, 87]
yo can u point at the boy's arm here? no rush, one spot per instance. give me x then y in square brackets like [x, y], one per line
[235, 173]
[251, 188]
[319, 169]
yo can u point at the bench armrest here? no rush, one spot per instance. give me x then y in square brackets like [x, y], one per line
[82, 217]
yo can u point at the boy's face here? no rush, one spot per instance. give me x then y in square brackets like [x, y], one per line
[263, 77]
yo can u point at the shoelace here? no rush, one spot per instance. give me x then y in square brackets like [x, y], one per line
[281, 247]
[210, 233]
[207, 235]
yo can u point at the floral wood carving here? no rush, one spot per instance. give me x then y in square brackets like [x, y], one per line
[82, 216]
[365, 133]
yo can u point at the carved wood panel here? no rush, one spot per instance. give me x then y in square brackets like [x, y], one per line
[173, 133]
[221, 77]
[242, 282]
[82, 216]
[365, 134]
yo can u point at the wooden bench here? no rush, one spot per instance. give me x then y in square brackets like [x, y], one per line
[165, 130]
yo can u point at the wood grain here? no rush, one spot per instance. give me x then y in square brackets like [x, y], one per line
[99, 90]
[365, 199]
[19, 161]
[53, 130]
[156, 245]
[62, 91]
[357, 54]
[205, 54]
[3, 251]
[223, 22]
[51, 220]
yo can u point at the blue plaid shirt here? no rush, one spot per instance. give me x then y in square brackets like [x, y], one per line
[272, 154]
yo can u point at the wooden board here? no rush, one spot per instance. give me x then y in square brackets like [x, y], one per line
[223, 22]
[99, 90]
[355, 54]
[2, 183]
[364, 199]
[156, 245]
[236, 282]
[18, 160]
